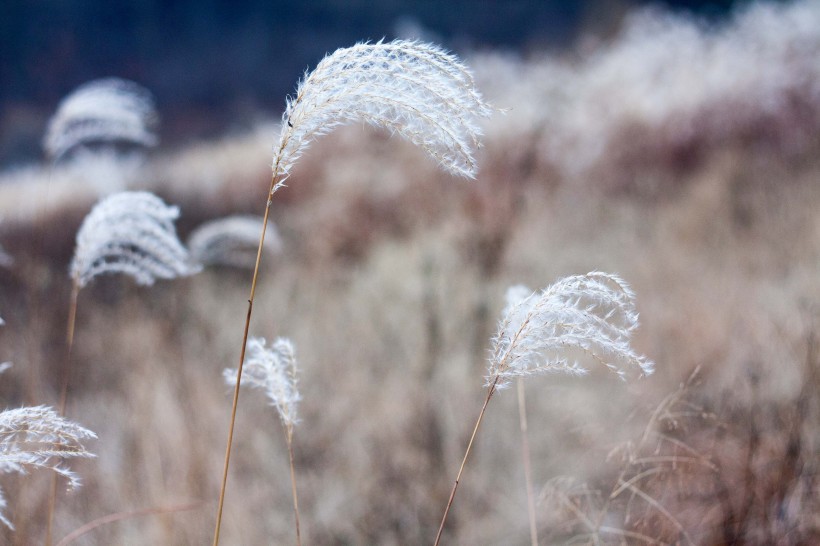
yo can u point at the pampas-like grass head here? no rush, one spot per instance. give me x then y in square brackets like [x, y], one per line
[577, 319]
[106, 110]
[274, 371]
[131, 233]
[37, 437]
[231, 241]
[414, 89]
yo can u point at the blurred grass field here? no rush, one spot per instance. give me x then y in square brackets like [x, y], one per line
[391, 282]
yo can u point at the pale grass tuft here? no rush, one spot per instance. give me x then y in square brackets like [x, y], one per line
[274, 371]
[107, 110]
[131, 233]
[38, 438]
[578, 318]
[414, 89]
[231, 241]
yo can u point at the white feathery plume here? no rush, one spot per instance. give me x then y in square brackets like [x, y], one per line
[35, 438]
[578, 318]
[105, 110]
[274, 371]
[131, 233]
[411, 88]
[231, 241]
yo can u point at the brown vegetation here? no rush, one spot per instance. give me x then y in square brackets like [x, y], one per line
[390, 281]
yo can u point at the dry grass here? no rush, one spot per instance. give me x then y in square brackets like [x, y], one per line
[390, 282]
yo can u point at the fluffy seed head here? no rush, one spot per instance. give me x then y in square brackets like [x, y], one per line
[37, 437]
[578, 318]
[274, 371]
[414, 89]
[231, 241]
[105, 110]
[131, 233]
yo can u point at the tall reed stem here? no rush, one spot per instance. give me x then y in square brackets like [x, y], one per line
[525, 453]
[242, 360]
[490, 392]
[289, 437]
[72, 316]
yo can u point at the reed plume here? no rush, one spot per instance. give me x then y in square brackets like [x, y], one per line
[131, 233]
[413, 89]
[580, 318]
[410, 88]
[230, 241]
[108, 110]
[38, 437]
[274, 371]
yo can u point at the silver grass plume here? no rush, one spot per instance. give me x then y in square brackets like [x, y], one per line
[578, 318]
[414, 89]
[105, 110]
[231, 241]
[131, 233]
[274, 371]
[35, 438]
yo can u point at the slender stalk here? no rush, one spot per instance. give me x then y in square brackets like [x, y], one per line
[242, 361]
[525, 453]
[289, 437]
[72, 316]
[490, 392]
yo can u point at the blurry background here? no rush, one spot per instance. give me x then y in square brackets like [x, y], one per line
[213, 65]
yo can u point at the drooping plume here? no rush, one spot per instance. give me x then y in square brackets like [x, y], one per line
[414, 89]
[108, 110]
[131, 233]
[33, 438]
[274, 371]
[576, 320]
[231, 241]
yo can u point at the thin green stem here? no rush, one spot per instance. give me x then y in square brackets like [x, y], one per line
[490, 392]
[241, 362]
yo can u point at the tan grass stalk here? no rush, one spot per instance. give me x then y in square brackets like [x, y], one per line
[271, 191]
[72, 315]
[289, 436]
[490, 393]
[525, 456]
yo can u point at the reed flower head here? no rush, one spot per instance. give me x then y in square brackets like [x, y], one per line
[35, 438]
[131, 233]
[274, 371]
[576, 319]
[231, 241]
[105, 110]
[414, 89]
